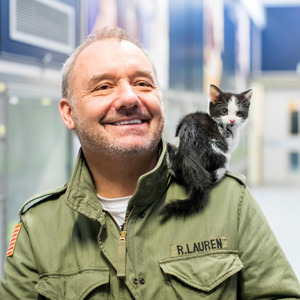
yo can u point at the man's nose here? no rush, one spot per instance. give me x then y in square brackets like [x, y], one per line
[126, 98]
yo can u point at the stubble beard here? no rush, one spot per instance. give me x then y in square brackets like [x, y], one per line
[92, 138]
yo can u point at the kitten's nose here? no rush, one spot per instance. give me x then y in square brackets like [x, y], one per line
[232, 121]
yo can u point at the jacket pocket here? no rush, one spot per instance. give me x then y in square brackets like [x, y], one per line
[75, 286]
[192, 275]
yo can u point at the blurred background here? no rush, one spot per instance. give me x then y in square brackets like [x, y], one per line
[235, 44]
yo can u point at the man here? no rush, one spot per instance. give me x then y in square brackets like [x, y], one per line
[101, 236]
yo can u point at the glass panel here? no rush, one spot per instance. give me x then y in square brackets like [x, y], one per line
[37, 144]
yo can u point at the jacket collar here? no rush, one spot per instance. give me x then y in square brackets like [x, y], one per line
[81, 195]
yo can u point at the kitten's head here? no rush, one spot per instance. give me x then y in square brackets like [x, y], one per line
[229, 109]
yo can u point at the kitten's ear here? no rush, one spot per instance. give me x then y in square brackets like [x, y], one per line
[248, 95]
[214, 93]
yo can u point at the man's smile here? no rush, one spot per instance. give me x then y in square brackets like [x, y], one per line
[128, 122]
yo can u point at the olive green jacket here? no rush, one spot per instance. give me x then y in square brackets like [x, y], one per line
[69, 248]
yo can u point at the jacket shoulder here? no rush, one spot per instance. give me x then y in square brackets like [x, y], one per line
[241, 179]
[41, 197]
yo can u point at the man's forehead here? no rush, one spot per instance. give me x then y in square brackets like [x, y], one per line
[113, 46]
[113, 54]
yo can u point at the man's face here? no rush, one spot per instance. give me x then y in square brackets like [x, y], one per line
[116, 107]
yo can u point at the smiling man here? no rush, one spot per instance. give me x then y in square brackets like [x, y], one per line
[101, 236]
[116, 111]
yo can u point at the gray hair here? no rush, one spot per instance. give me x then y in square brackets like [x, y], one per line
[105, 33]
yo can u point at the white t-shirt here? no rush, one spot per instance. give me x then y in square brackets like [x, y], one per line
[116, 207]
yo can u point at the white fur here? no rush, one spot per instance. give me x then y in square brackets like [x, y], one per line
[216, 148]
[232, 141]
[220, 172]
[236, 126]
[175, 142]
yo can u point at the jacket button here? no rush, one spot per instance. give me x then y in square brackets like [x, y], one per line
[135, 280]
[142, 280]
[142, 214]
[148, 185]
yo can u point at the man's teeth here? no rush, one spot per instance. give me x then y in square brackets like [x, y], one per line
[128, 122]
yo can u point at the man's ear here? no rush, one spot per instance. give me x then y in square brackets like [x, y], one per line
[65, 110]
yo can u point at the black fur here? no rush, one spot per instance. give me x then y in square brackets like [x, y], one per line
[195, 161]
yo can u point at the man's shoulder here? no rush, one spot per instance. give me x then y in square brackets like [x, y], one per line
[228, 192]
[239, 178]
[229, 187]
[48, 195]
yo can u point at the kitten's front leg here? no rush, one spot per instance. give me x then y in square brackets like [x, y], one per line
[172, 157]
[221, 171]
[175, 142]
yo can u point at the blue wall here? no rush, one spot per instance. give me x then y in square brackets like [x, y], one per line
[186, 45]
[281, 39]
[229, 55]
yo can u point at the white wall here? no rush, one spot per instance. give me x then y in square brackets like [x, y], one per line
[278, 141]
[271, 142]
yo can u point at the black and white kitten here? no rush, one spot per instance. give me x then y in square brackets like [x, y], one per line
[201, 155]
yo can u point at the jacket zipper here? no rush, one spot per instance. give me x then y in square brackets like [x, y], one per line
[121, 265]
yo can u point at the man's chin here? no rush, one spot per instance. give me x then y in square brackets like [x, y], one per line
[132, 148]
[120, 144]
[133, 145]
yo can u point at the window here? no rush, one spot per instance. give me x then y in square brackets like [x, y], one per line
[294, 161]
[294, 117]
[294, 122]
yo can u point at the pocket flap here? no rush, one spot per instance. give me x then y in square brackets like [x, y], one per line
[203, 272]
[75, 285]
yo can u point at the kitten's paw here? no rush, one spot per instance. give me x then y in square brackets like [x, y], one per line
[175, 142]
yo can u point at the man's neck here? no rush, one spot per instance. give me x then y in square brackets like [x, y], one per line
[117, 176]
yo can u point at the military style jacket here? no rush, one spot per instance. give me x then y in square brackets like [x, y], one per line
[67, 247]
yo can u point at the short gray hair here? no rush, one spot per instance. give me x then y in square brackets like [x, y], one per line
[105, 33]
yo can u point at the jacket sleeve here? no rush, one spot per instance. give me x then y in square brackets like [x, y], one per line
[20, 273]
[267, 274]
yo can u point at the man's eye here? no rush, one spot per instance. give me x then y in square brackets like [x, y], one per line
[143, 84]
[102, 87]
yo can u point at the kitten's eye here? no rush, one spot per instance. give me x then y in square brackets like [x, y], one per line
[225, 110]
[239, 114]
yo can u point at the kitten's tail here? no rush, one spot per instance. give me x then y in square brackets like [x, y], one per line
[199, 183]
[194, 203]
